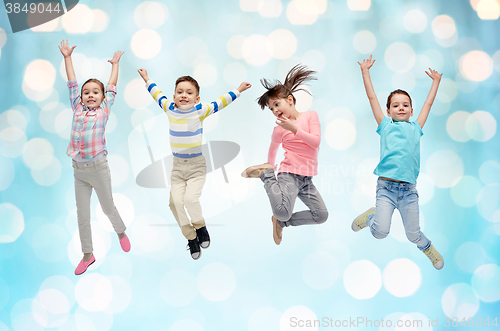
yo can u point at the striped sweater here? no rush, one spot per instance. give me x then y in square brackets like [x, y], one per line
[186, 126]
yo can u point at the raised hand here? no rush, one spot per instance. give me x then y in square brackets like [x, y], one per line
[116, 57]
[434, 75]
[144, 74]
[65, 49]
[244, 86]
[367, 64]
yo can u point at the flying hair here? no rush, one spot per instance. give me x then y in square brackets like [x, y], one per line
[296, 77]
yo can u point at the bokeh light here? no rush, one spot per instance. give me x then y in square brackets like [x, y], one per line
[359, 5]
[415, 21]
[476, 66]
[485, 280]
[12, 224]
[79, 20]
[216, 281]
[146, 43]
[402, 277]
[399, 57]
[244, 280]
[150, 15]
[445, 167]
[488, 9]
[362, 279]
[460, 301]
[365, 42]
[254, 53]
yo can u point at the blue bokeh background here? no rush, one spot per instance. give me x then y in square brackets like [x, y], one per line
[244, 281]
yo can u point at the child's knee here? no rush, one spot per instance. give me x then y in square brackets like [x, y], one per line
[379, 234]
[191, 200]
[321, 216]
[282, 214]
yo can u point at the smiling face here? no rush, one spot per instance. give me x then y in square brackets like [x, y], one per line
[92, 95]
[400, 108]
[281, 107]
[186, 95]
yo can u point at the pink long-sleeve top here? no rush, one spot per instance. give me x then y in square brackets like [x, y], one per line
[301, 149]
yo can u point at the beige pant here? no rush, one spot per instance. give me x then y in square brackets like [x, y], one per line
[94, 175]
[188, 178]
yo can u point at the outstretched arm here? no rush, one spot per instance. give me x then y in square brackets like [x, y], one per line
[113, 79]
[370, 92]
[155, 91]
[66, 51]
[436, 79]
[144, 74]
[222, 101]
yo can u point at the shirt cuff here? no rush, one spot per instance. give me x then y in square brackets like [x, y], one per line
[235, 91]
[72, 83]
[149, 82]
[111, 88]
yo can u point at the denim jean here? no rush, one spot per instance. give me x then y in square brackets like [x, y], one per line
[94, 175]
[282, 192]
[404, 197]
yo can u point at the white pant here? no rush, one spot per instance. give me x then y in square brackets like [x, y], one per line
[188, 178]
[94, 175]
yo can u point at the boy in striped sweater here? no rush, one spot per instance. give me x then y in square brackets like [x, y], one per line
[186, 115]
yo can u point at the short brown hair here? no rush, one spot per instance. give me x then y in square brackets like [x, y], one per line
[275, 90]
[93, 80]
[188, 79]
[398, 91]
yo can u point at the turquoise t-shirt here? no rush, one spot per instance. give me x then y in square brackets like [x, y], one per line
[399, 150]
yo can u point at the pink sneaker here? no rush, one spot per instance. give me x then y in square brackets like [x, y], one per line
[125, 243]
[82, 266]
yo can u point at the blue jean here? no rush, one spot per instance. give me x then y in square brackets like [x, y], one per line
[404, 197]
[282, 192]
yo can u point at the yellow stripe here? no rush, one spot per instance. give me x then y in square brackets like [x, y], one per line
[179, 145]
[224, 101]
[177, 120]
[156, 93]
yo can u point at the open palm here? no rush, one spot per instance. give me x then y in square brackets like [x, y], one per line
[65, 49]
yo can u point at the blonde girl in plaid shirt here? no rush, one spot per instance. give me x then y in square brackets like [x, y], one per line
[87, 148]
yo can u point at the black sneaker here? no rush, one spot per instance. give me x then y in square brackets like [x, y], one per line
[194, 248]
[203, 237]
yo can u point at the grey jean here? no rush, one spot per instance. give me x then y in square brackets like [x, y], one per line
[94, 175]
[282, 192]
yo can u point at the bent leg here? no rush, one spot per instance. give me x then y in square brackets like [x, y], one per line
[282, 192]
[408, 207]
[380, 221]
[317, 212]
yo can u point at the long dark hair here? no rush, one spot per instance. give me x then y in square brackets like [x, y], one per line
[297, 76]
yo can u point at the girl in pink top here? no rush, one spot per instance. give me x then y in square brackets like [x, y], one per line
[300, 136]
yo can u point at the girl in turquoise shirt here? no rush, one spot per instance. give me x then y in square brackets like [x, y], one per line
[399, 164]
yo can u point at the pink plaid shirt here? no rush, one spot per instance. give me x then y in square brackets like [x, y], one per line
[89, 124]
